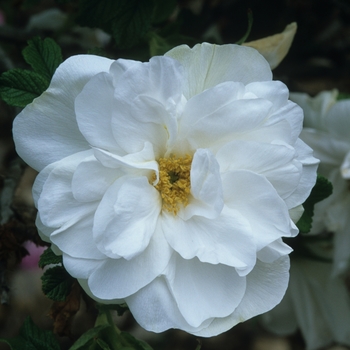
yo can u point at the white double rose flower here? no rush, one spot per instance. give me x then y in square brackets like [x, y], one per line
[169, 185]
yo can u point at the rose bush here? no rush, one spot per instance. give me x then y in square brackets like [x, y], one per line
[169, 185]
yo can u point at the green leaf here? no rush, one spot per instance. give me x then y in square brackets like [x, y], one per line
[57, 283]
[163, 10]
[158, 45]
[116, 339]
[49, 257]
[88, 337]
[127, 20]
[44, 56]
[32, 337]
[322, 189]
[103, 345]
[19, 87]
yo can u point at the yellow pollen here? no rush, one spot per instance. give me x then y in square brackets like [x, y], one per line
[174, 183]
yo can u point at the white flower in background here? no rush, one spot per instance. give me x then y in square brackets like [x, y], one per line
[169, 184]
[54, 19]
[327, 131]
[315, 302]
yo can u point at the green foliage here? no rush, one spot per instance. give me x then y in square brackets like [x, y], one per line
[106, 336]
[127, 20]
[32, 338]
[18, 87]
[44, 56]
[88, 338]
[57, 283]
[158, 45]
[322, 189]
[163, 9]
[49, 257]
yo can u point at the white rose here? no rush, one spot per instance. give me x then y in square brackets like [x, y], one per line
[167, 185]
[327, 131]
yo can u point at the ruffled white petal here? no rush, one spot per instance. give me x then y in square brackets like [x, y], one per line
[226, 239]
[212, 127]
[266, 286]
[126, 217]
[156, 310]
[146, 103]
[120, 278]
[91, 180]
[308, 175]
[274, 251]
[56, 203]
[206, 187]
[211, 290]
[95, 119]
[76, 239]
[255, 199]
[207, 65]
[269, 160]
[141, 162]
[46, 130]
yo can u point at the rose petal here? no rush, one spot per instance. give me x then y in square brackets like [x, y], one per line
[46, 130]
[207, 65]
[226, 239]
[120, 278]
[126, 217]
[266, 286]
[211, 290]
[95, 119]
[258, 202]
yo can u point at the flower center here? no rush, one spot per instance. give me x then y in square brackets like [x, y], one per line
[174, 183]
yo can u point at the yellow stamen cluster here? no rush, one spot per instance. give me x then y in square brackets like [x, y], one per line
[174, 183]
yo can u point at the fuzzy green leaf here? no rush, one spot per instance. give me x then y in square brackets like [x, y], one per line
[48, 257]
[127, 20]
[322, 189]
[44, 56]
[32, 337]
[56, 283]
[18, 87]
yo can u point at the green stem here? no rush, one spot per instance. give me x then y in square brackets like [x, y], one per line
[110, 321]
